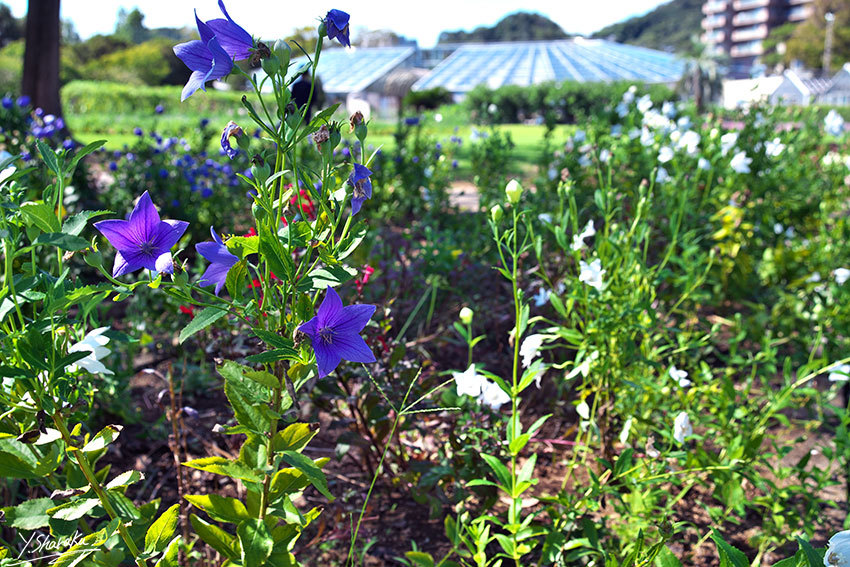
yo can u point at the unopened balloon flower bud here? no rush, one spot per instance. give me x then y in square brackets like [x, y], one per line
[283, 52]
[496, 213]
[514, 191]
[93, 258]
[466, 316]
[271, 65]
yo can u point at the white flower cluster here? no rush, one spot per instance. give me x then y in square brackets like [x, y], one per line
[471, 383]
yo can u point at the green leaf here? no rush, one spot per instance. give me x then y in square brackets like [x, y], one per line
[225, 467]
[323, 116]
[665, 558]
[256, 542]
[331, 276]
[294, 437]
[29, 515]
[13, 467]
[41, 215]
[74, 510]
[273, 339]
[220, 508]
[83, 152]
[729, 556]
[125, 479]
[201, 321]
[273, 356]
[267, 379]
[100, 441]
[273, 252]
[247, 413]
[169, 558]
[49, 157]
[814, 558]
[235, 281]
[75, 554]
[61, 240]
[74, 225]
[215, 537]
[420, 558]
[501, 471]
[242, 246]
[160, 532]
[310, 470]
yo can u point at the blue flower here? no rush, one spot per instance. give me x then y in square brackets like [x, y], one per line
[159, 109]
[232, 129]
[137, 131]
[412, 121]
[335, 333]
[205, 57]
[23, 101]
[143, 240]
[235, 41]
[221, 260]
[7, 102]
[336, 24]
[361, 187]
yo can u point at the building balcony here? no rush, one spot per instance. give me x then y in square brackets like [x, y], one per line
[749, 49]
[714, 7]
[747, 34]
[760, 16]
[714, 22]
[800, 13]
[713, 37]
[740, 5]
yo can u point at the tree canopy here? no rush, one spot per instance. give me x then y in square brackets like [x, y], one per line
[521, 26]
[669, 27]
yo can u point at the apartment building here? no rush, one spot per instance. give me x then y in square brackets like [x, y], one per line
[737, 27]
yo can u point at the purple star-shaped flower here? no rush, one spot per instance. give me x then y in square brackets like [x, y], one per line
[205, 57]
[232, 129]
[361, 187]
[232, 37]
[336, 23]
[221, 260]
[143, 240]
[335, 333]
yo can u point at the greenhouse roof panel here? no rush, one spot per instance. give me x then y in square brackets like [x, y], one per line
[353, 70]
[527, 63]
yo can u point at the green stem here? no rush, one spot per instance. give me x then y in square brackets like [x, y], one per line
[87, 471]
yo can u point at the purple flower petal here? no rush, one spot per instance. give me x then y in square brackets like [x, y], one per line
[327, 358]
[195, 55]
[115, 231]
[233, 38]
[215, 274]
[167, 235]
[144, 220]
[204, 30]
[352, 318]
[352, 347]
[196, 81]
[330, 307]
[309, 328]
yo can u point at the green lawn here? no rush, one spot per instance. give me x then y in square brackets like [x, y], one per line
[117, 129]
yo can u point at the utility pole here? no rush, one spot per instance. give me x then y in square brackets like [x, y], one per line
[827, 42]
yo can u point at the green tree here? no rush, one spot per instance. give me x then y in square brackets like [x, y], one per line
[702, 78]
[522, 26]
[11, 28]
[131, 26]
[807, 42]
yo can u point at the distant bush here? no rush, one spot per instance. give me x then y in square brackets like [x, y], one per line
[149, 63]
[80, 97]
[428, 99]
[565, 102]
[11, 66]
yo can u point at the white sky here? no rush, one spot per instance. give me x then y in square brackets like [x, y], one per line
[420, 20]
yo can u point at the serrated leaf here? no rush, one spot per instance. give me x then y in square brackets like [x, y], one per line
[729, 555]
[294, 437]
[310, 470]
[74, 510]
[74, 225]
[62, 241]
[29, 515]
[201, 321]
[331, 276]
[273, 339]
[49, 157]
[273, 356]
[41, 215]
[169, 558]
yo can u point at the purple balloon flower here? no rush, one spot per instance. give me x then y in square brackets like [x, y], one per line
[232, 129]
[335, 333]
[205, 57]
[235, 41]
[361, 187]
[221, 260]
[336, 23]
[143, 240]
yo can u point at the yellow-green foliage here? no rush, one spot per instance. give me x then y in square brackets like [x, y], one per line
[143, 64]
